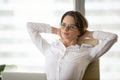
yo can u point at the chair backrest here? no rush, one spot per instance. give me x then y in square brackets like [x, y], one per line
[92, 72]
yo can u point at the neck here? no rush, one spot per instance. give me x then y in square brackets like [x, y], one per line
[69, 42]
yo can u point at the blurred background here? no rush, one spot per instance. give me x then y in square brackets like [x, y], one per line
[16, 47]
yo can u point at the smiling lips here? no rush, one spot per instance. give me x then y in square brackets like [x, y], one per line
[65, 33]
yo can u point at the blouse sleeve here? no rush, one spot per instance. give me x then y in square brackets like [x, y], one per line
[34, 30]
[106, 40]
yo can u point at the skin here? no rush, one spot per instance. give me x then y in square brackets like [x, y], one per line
[70, 36]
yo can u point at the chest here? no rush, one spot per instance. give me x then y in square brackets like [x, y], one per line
[68, 55]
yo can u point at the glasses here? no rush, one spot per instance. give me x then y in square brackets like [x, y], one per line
[69, 26]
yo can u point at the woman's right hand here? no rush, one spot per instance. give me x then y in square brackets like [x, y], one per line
[56, 30]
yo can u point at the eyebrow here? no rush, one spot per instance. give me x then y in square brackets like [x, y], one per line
[68, 24]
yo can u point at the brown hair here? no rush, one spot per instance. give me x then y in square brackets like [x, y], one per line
[80, 21]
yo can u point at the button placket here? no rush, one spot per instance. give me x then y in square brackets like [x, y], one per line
[59, 64]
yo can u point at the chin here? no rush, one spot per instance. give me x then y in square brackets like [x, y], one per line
[65, 37]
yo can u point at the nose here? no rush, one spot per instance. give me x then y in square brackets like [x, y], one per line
[66, 28]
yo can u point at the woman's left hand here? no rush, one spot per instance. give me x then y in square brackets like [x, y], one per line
[87, 38]
[86, 35]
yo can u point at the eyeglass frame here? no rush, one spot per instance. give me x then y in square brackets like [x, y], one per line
[69, 26]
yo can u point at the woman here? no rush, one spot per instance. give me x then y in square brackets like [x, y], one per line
[68, 57]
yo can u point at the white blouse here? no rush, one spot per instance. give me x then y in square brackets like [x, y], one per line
[68, 63]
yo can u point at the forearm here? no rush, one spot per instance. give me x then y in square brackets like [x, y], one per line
[107, 40]
[38, 27]
[34, 30]
[100, 35]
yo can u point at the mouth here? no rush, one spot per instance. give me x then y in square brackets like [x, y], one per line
[65, 33]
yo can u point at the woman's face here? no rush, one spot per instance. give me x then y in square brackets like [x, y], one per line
[69, 29]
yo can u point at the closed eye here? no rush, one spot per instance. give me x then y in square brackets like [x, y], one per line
[63, 24]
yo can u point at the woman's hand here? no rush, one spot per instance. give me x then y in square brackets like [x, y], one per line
[86, 35]
[56, 31]
[87, 38]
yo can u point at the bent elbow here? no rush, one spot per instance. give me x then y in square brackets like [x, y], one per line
[115, 37]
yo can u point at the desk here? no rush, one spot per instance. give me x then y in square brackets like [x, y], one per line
[17, 73]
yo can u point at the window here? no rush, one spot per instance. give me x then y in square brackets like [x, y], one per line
[16, 47]
[104, 15]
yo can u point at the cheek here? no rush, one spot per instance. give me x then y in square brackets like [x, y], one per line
[75, 36]
[61, 33]
[76, 33]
